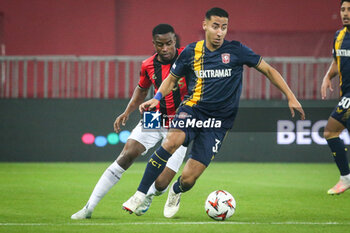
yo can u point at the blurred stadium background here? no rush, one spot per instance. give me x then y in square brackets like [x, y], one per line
[68, 69]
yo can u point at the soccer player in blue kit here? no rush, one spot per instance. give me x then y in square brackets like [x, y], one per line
[339, 119]
[215, 68]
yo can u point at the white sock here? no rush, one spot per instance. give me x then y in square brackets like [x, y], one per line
[153, 191]
[109, 178]
[139, 194]
[345, 178]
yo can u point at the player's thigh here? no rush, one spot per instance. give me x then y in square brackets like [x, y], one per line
[180, 133]
[147, 138]
[333, 128]
[133, 147]
[174, 139]
[339, 118]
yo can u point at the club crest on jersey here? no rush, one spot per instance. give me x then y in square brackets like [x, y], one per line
[225, 57]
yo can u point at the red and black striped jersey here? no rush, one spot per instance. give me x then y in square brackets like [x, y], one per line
[154, 72]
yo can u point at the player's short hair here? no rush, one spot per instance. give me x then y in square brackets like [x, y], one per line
[216, 11]
[162, 29]
[341, 3]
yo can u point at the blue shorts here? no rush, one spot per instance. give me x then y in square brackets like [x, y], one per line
[342, 111]
[207, 137]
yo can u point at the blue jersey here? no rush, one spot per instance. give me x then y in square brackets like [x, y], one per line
[341, 53]
[214, 79]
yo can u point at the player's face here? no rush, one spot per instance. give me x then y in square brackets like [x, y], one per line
[215, 31]
[345, 13]
[165, 46]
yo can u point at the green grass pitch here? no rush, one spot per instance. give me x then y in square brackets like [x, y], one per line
[271, 197]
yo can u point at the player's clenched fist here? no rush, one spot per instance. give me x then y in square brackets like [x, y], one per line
[148, 105]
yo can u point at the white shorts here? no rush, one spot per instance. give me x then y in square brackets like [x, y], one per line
[151, 138]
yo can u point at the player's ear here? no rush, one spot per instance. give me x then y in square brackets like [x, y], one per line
[204, 25]
[154, 44]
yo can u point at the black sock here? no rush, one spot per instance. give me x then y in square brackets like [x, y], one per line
[154, 167]
[339, 154]
[177, 186]
[180, 188]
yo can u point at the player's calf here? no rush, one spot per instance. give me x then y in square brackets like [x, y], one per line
[164, 179]
[154, 168]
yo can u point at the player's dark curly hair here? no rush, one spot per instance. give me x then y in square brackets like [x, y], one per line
[162, 29]
[216, 11]
[341, 3]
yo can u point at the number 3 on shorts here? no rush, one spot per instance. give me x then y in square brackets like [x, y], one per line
[216, 147]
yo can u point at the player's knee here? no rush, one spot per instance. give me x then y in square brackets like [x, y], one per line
[173, 141]
[133, 149]
[127, 157]
[326, 134]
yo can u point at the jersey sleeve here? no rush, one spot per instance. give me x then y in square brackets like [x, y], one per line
[248, 57]
[333, 47]
[178, 69]
[144, 81]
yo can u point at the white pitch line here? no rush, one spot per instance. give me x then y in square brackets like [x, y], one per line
[174, 223]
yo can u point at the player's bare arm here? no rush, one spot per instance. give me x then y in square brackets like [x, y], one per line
[165, 88]
[326, 83]
[137, 98]
[276, 79]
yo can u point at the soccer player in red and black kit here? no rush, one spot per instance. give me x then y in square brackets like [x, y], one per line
[153, 71]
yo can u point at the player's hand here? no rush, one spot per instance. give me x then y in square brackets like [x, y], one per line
[326, 83]
[148, 105]
[121, 120]
[295, 105]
